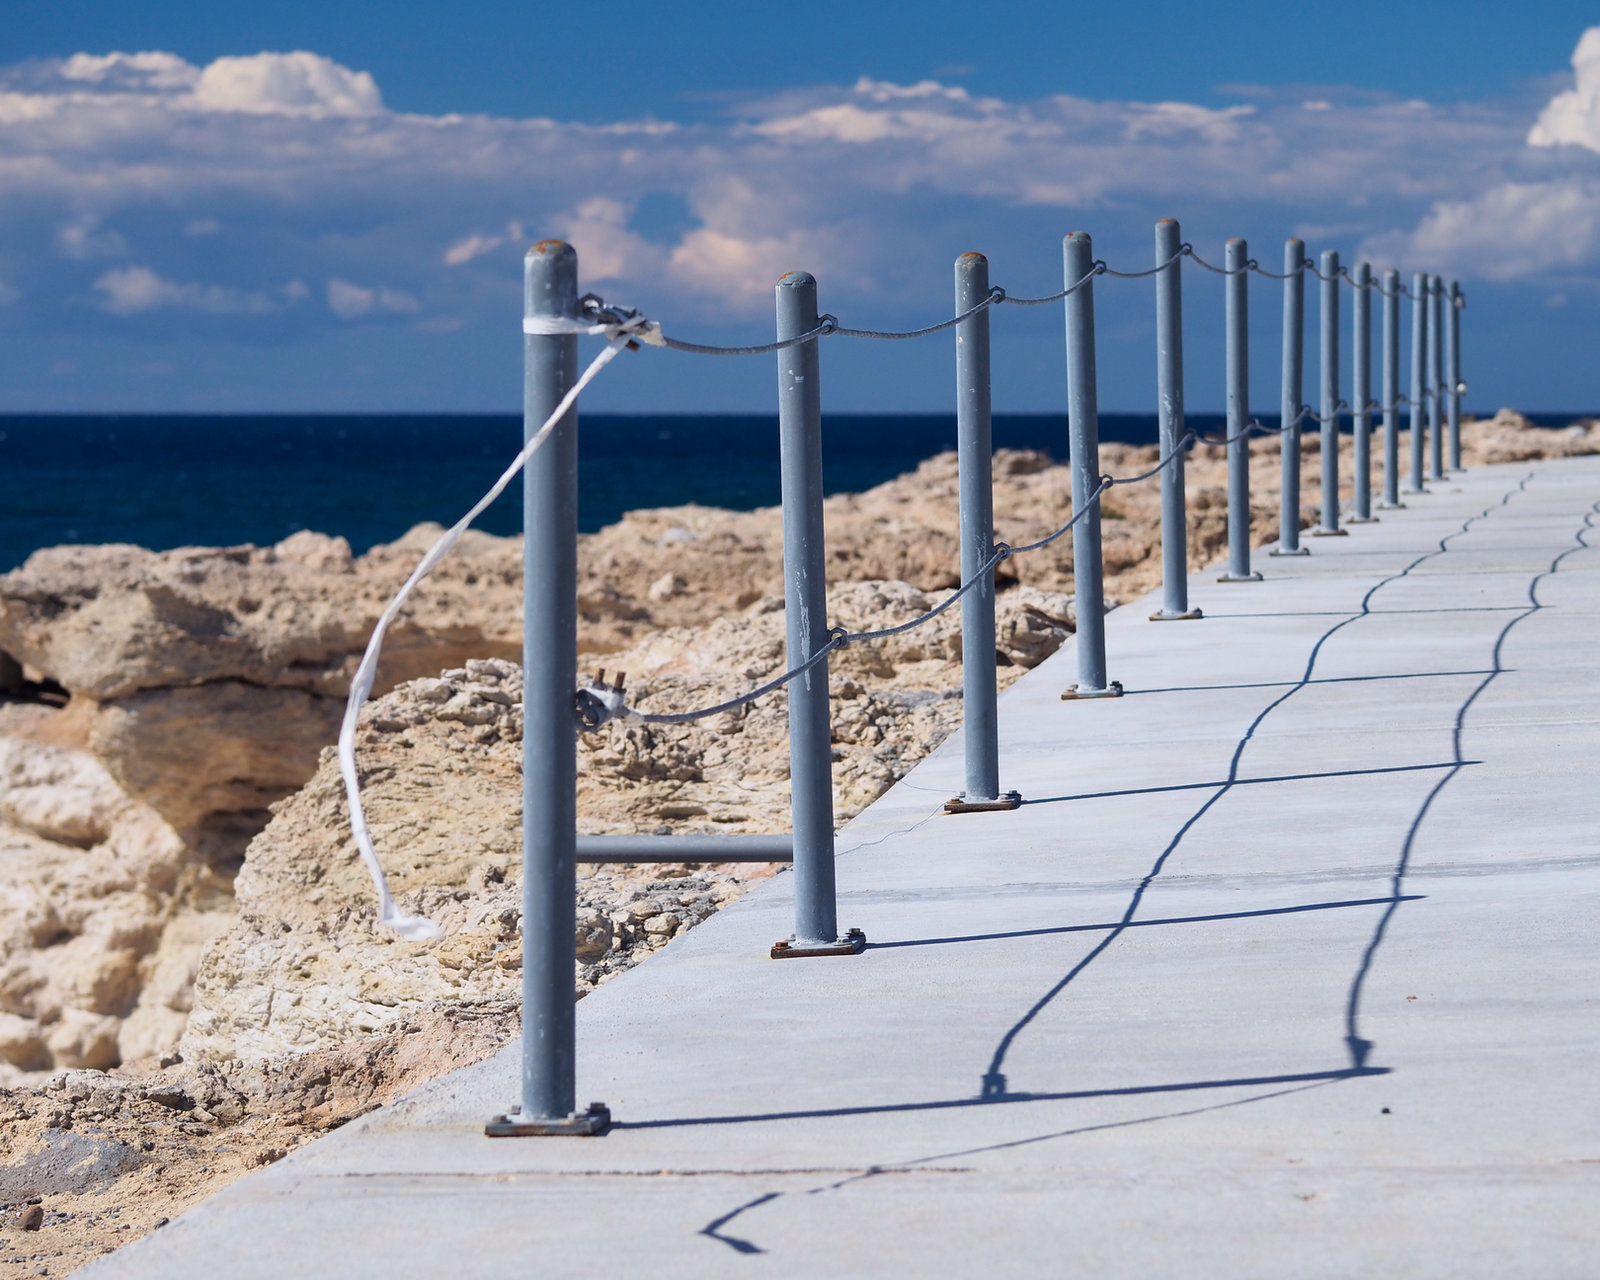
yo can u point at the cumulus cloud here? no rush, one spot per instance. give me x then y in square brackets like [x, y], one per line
[1523, 224]
[257, 169]
[85, 238]
[1574, 116]
[297, 83]
[128, 291]
[1515, 229]
[352, 301]
[131, 72]
[464, 251]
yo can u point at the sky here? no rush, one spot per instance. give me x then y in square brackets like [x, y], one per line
[318, 207]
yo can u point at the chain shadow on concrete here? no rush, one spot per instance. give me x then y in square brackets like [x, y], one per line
[1359, 1047]
[994, 1089]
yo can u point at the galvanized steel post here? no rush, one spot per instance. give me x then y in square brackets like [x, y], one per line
[1083, 435]
[1328, 313]
[1452, 360]
[975, 453]
[1294, 299]
[1169, 404]
[549, 726]
[1236, 308]
[805, 618]
[1418, 415]
[1361, 389]
[1391, 390]
[1436, 377]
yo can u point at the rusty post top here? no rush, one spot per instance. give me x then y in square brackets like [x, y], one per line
[546, 247]
[1235, 239]
[795, 280]
[1165, 220]
[974, 255]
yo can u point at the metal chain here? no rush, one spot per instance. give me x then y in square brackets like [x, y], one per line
[1221, 271]
[996, 294]
[1099, 268]
[1183, 251]
[829, 325]
[826, 326]
[839, 637]
[1273, 275]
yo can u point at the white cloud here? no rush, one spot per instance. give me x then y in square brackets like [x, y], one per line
[297, 83]
[352, 301]
[610, 250]
[131, 72]
[1538, 227]
[1512, 230]
[287, 166]
[464, 251]
[1574, 116]
[128, 291]
[86, 239]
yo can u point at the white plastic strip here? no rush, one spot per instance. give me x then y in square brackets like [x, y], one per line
[420, 928]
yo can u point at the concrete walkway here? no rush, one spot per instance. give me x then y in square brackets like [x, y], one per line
[1288, 967]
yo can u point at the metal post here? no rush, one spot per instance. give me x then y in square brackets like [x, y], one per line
[816, 929]
[1391, 390]
[1236, 306]
[1436, 377]
[1294, 300]
[1418, 408]
[1452, 347]
[1169, 397]
[1361, 390]
[1083, 435]
[549, 729]
[1328, 526]
[975, 451]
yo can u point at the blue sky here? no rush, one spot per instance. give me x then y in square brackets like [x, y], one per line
[322, 207]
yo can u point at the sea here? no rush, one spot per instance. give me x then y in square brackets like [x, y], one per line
[163, 481]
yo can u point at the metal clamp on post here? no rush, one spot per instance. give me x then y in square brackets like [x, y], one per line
[594, 704]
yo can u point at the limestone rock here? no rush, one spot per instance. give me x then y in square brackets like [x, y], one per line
[305, 965]
[213, 676]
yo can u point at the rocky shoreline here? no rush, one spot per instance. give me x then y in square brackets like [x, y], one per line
[191, 981]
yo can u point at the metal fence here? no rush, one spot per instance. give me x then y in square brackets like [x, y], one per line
[555, 313]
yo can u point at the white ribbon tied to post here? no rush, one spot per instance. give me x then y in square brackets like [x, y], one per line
[620, 333]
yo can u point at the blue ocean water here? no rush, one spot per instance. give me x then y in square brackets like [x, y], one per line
[186, 480]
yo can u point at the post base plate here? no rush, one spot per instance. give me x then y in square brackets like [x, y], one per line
[853, 943]
[1252, 576]
[1330, 533]
[1161, 615]
[1005, 801]
[580, 1124]
[1079, 694]
[1361, 519]
[1298, 551]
